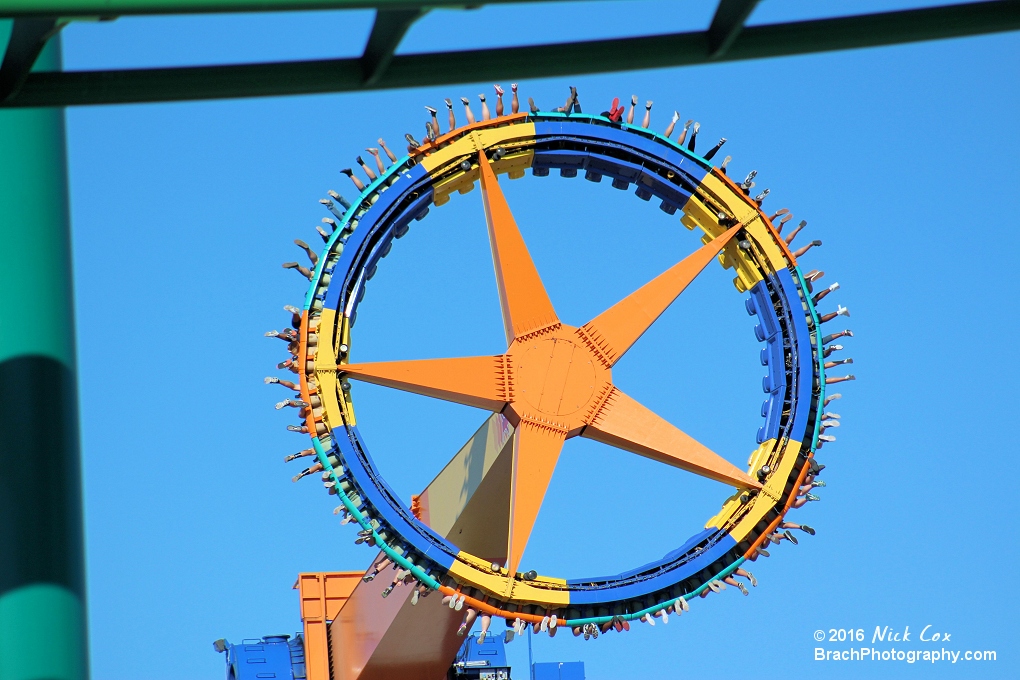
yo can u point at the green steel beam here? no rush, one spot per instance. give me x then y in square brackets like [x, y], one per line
[27, 39]
[388, 30]
[109, 8]
[42, 573]
[428, 69]
[727, 23]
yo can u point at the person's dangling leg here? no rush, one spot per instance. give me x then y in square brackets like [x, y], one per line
[515, 104]
[672, 124]
[683, 133]
[485, 107]
[486, 622]
[803, 251]
[304, 271]
[286, 383]
[308, 251]
[467, 110]
[576, 101]
[499, 100]
[435, 120]
[793, 234]
[694, 136]
[389, 154]
[365, 168]
[357, 182]
[630, 111]
[378, 161]
[746, 574]
[715, 149]
[648, 114]
[453, 120]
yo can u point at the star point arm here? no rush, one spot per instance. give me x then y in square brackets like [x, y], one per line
[524, 302]
[615, 330]
[473, 381]
[625, 424]
[536, 450]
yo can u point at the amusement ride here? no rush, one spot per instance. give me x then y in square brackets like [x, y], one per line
[551, 382]
[464, 535]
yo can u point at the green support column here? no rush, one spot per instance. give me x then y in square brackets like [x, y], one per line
[42, 574]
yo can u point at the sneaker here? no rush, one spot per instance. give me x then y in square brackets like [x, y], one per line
[386, 592]
[270, 380]
[414, 598]
[449, 103]
[752, 579]
[274, 334]
[367, 577]
[465, 101]
[828, 438]
[817, 483]
[743, 588]
[763, 553]
[544, 626]
[842, 310]
[460, 604]
[462, 630]
[594, 631]
[790, 537]
[807, 530]
[812, 497]
[431, 110]
[584, 630]
[830, 416]
[499, 90]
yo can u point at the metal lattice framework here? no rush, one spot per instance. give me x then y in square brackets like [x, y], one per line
[726, 39]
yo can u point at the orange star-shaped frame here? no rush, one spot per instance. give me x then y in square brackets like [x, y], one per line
[555, 381]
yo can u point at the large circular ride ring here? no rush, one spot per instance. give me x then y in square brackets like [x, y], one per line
[735, 232]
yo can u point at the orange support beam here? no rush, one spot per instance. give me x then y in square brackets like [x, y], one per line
[322, 596]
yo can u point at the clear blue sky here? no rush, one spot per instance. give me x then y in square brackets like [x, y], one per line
[904, 161]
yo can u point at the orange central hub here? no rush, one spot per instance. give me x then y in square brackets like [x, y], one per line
[555, 377]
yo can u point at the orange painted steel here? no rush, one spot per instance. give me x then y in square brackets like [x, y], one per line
[322, 595]
[376, 638]
[537, 447]
[429, 146]
[486, 608]
[555, 381]
[615, 330]
[775, 234]
[472, 381]
[786, 508]
[626, 424]
[526, 305]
